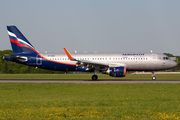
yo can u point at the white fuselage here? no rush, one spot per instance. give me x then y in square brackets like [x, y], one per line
[132, 61]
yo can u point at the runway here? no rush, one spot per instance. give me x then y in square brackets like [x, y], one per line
[90, 81]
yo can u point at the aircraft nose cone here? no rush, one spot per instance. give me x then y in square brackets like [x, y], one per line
[173, 64]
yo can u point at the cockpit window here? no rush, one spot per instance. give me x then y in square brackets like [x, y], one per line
[166, 58]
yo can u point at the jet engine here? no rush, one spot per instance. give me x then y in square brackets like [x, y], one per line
[116, 71]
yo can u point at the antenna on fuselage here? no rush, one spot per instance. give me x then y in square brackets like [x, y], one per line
[151, 51]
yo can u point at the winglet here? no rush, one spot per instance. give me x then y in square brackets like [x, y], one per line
[68, 54]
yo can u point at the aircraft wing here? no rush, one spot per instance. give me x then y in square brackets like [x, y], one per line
[93, 63]
[86, 63]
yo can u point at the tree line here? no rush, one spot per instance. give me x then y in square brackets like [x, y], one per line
[8, 67]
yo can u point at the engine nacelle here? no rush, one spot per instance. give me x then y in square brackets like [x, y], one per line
[116, 71]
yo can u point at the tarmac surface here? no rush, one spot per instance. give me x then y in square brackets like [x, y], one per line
[91, 81]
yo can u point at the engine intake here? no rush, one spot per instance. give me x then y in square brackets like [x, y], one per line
[116, 71]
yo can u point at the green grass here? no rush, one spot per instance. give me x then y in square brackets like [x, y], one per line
[88, 76]
[89, 101]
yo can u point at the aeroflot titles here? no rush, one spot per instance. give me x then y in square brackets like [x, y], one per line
[133, 54]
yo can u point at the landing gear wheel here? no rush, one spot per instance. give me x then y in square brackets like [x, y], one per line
[153, 75]
[94, 77]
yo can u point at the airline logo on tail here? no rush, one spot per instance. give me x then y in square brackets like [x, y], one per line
[19, 43]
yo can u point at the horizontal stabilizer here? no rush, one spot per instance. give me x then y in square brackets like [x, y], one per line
[15, 58]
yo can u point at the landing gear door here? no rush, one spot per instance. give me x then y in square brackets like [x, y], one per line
[38, 60]
[154, 58]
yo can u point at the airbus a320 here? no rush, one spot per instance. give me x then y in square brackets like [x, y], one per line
[113, 64]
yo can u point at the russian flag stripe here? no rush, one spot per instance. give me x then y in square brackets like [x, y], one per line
[14, 37]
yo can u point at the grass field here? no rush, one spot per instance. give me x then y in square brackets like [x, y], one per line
[88, 76]
[19, 101]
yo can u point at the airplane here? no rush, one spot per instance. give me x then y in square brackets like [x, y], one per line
[113, 64]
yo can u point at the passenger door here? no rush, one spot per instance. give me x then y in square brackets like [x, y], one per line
[154, 58]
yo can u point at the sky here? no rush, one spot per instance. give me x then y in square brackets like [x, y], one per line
[94, 25]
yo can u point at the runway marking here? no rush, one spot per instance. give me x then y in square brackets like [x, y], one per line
[90, 81]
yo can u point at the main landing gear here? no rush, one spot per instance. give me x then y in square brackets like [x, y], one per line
[95, 77]
[153, 76]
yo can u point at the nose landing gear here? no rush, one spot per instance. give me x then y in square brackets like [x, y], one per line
[153, 76]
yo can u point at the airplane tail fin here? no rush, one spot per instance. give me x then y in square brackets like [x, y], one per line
[20, 45]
